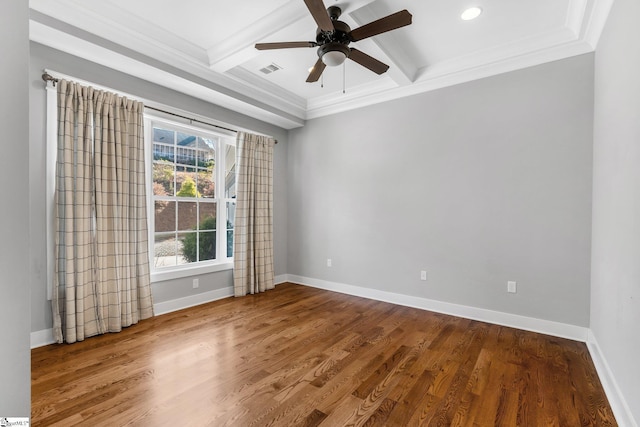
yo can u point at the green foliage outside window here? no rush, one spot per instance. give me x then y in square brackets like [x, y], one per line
[188, 188]
[207, 242]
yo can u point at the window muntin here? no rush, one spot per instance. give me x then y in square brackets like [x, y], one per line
[188, 209]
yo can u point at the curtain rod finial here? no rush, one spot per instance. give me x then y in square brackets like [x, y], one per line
[49, 78]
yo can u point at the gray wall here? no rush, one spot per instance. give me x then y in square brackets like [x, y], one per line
[478, 184]
[15, 366]
[615, 279]
[43, 57]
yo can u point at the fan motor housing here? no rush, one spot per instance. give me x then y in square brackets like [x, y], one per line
[340, 34]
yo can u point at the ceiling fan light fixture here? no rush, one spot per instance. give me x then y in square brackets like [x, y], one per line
[333, 54]
[471, 13]
[334, 58]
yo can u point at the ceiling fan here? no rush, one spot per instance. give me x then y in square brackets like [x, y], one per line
[333, 38]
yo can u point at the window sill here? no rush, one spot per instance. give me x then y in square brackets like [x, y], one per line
[177, 273]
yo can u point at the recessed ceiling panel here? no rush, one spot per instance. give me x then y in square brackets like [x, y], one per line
[201, 22]
[439, 34]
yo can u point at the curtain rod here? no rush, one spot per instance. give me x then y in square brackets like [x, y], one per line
[190, 119]
[49, 78]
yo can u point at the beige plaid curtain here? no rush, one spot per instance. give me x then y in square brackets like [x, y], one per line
[102, 281]
[253, 232]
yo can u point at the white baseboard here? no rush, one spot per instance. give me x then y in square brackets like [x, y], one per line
[42, 338]
[280, 279]
[191, 301]
[547, 327]
[619, 405]
[203, 298]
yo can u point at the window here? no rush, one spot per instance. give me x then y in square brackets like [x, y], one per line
[192, 196]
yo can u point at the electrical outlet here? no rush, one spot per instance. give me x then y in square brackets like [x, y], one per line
[196, 283]
[511, 287]
[328, 262]
[423, 275]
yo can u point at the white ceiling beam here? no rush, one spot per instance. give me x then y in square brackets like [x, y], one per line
[239, 47]
[402, 70]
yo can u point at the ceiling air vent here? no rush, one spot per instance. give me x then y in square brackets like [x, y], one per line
[270, 68]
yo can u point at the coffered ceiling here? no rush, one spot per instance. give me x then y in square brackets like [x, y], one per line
[206, 47]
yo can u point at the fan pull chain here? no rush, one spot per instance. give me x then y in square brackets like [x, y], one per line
[344, 76]
[322, 80]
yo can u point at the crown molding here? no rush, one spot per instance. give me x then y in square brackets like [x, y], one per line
[575, 15]
[596, 22]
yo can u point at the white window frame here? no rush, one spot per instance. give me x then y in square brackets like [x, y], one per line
[223, 138]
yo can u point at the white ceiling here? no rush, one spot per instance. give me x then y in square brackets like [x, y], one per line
[206, 47]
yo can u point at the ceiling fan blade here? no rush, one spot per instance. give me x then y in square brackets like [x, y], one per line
[382, 25]
[368, 61]
[316, 71]
[320, 15]
[284, 45]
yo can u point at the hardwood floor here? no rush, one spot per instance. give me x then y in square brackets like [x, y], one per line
[303, 356]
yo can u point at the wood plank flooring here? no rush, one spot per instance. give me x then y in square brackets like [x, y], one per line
[299, 356]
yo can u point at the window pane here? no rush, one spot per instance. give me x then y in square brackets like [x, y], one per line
[164, 250]
[186, 181]
[206, 152]
[207, 245]
[163, 178]
[165, 216]
[163, 152]
[207, 144]
[230, 172]
[163, 135]
[206, 186]
[231, 214]
[187, 248]
[184, 139]
[187, 216]
[231, 219]
[230, 243]
[186, 153]
[207, 213]
[212, 171]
